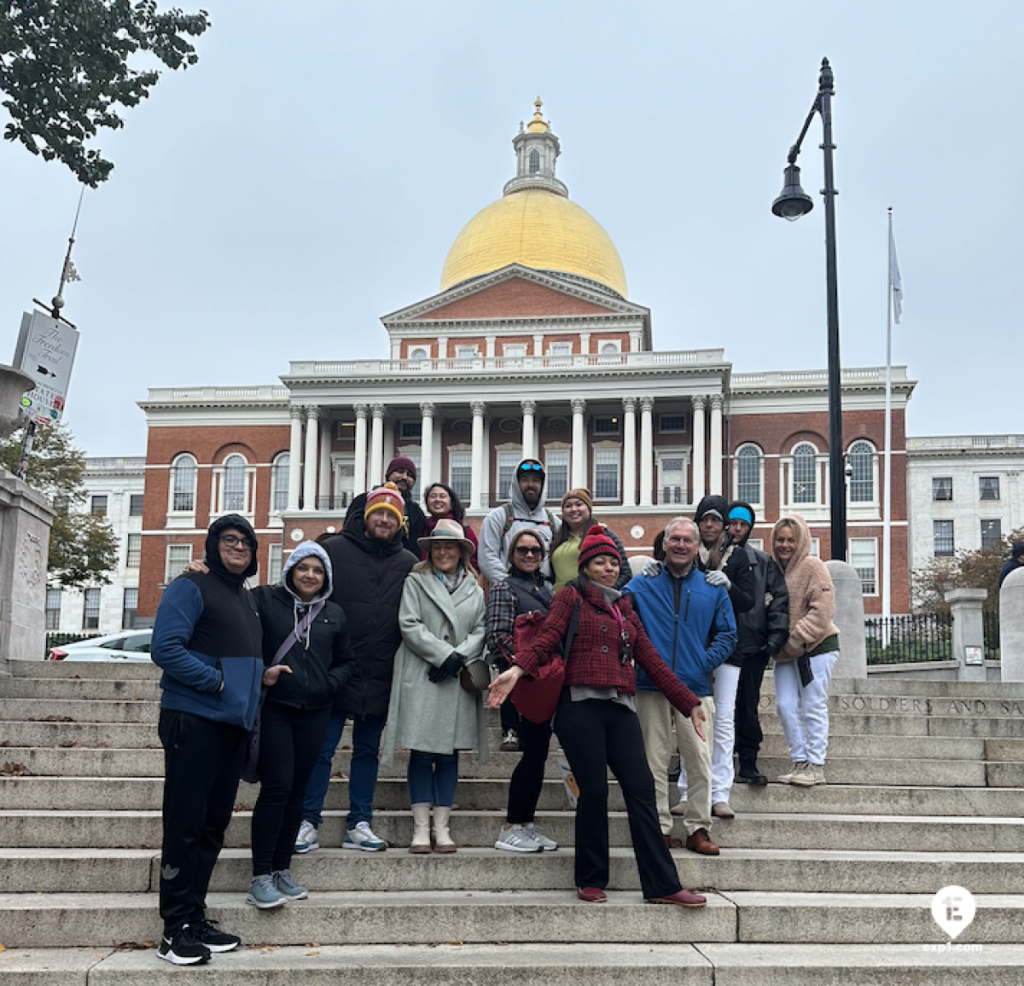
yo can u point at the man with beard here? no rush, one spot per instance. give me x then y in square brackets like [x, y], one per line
[402, 472]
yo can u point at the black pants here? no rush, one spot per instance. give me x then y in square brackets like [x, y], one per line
[202, 763]
[528, 777]
[748, 697]
[290, 741]
[596, 735]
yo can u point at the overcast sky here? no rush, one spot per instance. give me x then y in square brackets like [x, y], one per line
[311, 172]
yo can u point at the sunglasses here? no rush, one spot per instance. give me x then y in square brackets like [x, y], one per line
[524, 551]
[531, 467]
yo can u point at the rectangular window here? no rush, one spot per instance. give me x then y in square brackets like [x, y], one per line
[671, 424]
[409, 430]
[942, 487]
[465, 352]
[991, 534]
[99, 506]
[815, 547]
[864, 559]
[274, 563]
[748, 474]
[507, 462]
[133, 553]
[942, 537]
[135, 505]
[53, 600]
[460, 474]
[756, 543]
[560, 349]
[513, 350]
[178, 556]
[988, 488]
[556, 469]
[128, 610]
[672, 476]
[91, 613]
[606, 474]
[606, 426]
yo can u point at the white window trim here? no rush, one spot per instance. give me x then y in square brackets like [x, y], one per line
[874, 548]
[559, 447]
[274, 512]
[760, 468]
[170, 576]
[248, 493]
[664, 452]
[819, 509]
[182, 518]
[615, 447]
[861, 509]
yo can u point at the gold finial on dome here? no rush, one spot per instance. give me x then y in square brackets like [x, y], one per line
[537, 124]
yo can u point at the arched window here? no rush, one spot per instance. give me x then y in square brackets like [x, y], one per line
[234, 484]
[534, 162]
[279, 483]
[608, 348]
[805, 473]
[418, 353]
[748, 474]
[183, 484]
[861, 459]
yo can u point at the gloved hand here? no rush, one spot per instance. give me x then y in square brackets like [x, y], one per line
[718, 578]
[450, 669]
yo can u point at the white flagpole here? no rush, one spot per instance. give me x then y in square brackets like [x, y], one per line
[887, 496]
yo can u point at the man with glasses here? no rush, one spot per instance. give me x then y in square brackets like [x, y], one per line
[208, 641]
[524, 509]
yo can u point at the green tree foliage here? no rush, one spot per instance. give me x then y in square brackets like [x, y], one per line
[83, 547]
[64, 68]
[965, 570]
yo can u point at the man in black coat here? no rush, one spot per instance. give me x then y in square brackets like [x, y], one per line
[402, 472]
[370, 568]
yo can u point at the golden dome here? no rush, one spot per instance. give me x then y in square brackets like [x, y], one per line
[538, 229]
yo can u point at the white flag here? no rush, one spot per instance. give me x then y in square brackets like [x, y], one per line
[895, 281]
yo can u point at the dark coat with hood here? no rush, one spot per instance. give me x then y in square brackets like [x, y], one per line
[208, 640]
[321, 660]
[735, 564]
[370, 577]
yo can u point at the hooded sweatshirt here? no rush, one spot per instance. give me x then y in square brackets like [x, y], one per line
[503, 521]
[208, 640]
[321, 659]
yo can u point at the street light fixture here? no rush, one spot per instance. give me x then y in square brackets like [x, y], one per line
[792, 203]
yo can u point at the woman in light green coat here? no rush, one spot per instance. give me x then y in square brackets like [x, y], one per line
[431, 713]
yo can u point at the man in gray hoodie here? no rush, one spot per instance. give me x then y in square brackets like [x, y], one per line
[525, 508]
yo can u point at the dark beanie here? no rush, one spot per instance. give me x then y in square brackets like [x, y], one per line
[595, 543]
[713, 502]
[401, 462]
[1018, 549]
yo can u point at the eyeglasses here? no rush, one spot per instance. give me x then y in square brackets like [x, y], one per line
[531, 467]
[524, 551]
[233, 541]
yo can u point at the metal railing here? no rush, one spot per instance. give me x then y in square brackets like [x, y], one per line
[990, 624]
[909, 639]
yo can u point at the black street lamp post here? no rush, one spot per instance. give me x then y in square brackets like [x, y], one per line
[791, 204]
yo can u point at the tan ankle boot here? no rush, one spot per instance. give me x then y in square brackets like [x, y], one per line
[420, 828]
[442, 840]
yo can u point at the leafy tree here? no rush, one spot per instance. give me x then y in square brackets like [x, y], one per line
[83, 547]
[64, 67]
[965, 570]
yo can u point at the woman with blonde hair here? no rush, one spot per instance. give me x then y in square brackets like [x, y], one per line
[577, 521]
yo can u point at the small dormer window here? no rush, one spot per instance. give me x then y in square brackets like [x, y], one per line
[534, 162]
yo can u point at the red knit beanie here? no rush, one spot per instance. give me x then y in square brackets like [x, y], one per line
[595, 543]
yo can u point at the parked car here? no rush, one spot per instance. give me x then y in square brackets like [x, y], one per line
[130, 645]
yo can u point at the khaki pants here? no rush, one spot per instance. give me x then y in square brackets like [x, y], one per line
[664, 729]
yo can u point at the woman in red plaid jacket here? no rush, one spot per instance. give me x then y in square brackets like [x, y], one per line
[596, 721]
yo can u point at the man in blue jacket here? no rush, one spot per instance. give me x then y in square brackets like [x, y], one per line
[691, 625]
[208, 641]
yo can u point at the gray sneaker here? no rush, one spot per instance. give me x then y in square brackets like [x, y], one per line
[517, 839]
[307, 840]
[263, 894]
[287, 887]
[535, 833]
[362, 837]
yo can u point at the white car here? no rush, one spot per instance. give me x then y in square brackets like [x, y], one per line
[129, 645]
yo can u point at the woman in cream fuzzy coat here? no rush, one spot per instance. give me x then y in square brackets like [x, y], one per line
[430, 713]
[803, 668]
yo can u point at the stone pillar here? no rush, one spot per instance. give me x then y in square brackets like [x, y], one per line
[646, 451]
[538, 344]
[699, 482]
[324, 483]
[715, 447]
[359, 477]
[427, 411]
[376, 464]
[25, 519]
[585, 342]
[442, 347]
[578, 473]
[529, 429]
[968, 632]
[629, 451]
[295, 457]
[1011, 626]
[849, 618]
[635, 342]
[489, 343]
[476, 487]
[310, 462]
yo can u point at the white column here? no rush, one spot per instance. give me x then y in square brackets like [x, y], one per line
[697, 467]
[359, 477]
[529, 429]
[476, 488]
[646, 451]
[489, 350]
[324, 485]
[584, 342]
[295, 457]
[629, 452]
[427, 445]
[376, 464]
[635, 340]
[312, 454]
[579, 443]
[538, 344]
[442, 347]
[715, 447]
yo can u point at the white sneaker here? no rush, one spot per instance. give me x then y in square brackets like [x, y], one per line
[548, 845]
[517, 839]
[307, 840]
[362, 837]
[803, 775]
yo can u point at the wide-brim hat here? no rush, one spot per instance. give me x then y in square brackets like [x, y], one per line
[445, 530]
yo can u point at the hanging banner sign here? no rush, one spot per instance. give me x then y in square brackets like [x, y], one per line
[46, 352]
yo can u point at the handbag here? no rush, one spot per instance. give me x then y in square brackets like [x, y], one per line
[536, 697]
[475, 677]
[251, 763]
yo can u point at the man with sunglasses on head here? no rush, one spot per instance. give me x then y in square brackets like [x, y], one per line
[524, 509]
[208, 640]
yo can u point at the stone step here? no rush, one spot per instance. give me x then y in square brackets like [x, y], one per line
[100, 689]
[107, 670]
[78, 710]
[772, 870]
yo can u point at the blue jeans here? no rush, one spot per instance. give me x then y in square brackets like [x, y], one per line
[432, 778]
[362, 775]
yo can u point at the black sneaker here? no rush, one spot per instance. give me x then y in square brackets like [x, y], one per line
[749, 774]
[183, 947]
[215, 939]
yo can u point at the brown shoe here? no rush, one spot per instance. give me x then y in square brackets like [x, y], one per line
[700, 842]
[591, 895]
[681, 898]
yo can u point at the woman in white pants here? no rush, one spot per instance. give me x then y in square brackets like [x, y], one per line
[803, 669]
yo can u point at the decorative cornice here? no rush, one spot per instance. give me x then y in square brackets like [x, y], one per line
[479, 408]
[629, 405]
[428, 409]
[529, 406]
